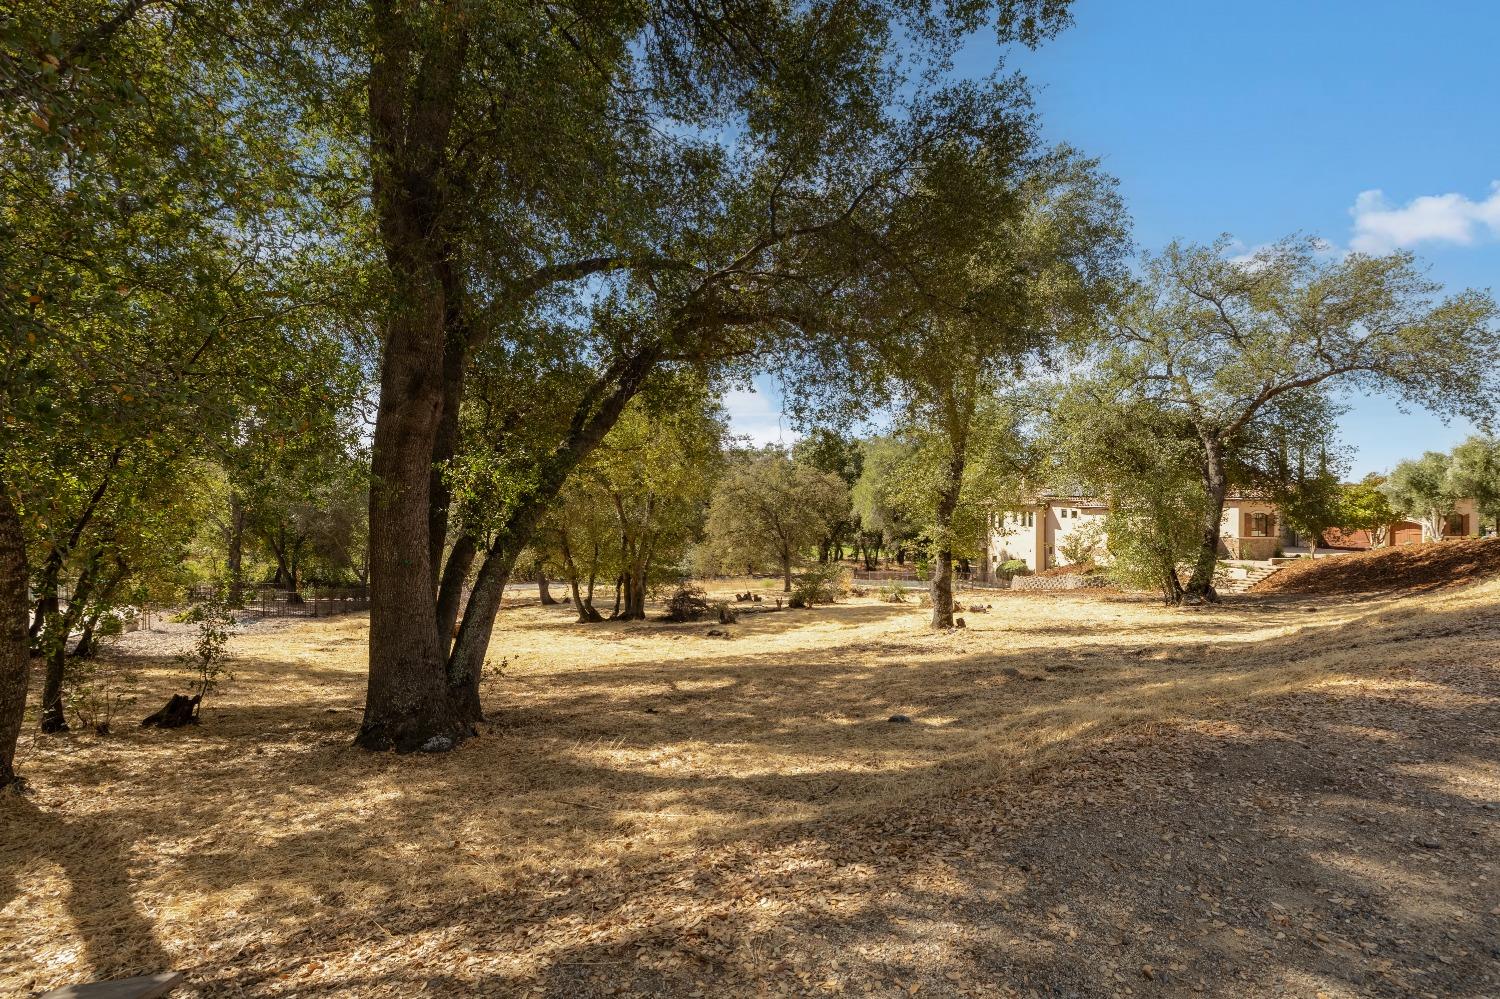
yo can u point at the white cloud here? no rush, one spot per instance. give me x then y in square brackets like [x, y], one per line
[1450, 218]
[755, 415]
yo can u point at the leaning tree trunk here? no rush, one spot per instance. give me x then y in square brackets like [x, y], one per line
[544, 589]
[55, 642]
[583, 605]
[15, 654]
[1200, 587]
[451, 588]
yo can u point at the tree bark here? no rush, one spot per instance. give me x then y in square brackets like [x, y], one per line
[234, 566]
[543, 588]
[942, 570]
[15, 653]
[464, 668]
[412, 84]
[583, 604]
[55, 642]
[451, 589]
[1200, 586]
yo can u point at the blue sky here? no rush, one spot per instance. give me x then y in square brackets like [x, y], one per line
[1371, 124]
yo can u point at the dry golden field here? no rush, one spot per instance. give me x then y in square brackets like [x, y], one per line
[1094, 796]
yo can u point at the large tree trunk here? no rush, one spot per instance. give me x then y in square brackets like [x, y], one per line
[406, 702]
[412, 83]
[15, 654]
[1200, 586]
[941, 589]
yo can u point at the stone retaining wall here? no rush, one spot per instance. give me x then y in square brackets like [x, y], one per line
[1073, 581]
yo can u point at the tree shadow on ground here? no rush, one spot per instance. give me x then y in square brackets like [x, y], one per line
[664, 823]
[39, 846]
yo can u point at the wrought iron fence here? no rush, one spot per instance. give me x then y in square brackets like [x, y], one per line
[319, 601]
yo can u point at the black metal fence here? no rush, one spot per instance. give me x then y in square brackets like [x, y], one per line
[320, 601]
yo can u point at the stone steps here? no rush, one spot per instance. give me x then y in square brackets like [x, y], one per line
[1252, 576]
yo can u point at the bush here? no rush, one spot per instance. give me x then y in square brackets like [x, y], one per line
[727, 614]
[1083, 546]
[689, 603]
[893, 593]
[94, 692]
[821, 584]
[1014, 567]
[215, 621]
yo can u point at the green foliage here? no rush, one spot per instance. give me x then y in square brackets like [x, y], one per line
[215, 620]
[819, 584]
[1014, 567]
[1083, 546]
[636, 506]
[768, 510]
[1475, 473]
[1310, 501]
[1421, 489]
[877, 496]
[1144, 459]
[1229, 350]
[893, 593]
[1363, 506]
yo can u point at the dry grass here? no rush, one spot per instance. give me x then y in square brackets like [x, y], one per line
[651, 808]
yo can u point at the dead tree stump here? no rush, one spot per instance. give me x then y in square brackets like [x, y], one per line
[179, 711]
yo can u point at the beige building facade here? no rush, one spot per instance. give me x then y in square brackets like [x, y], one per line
[1038, 533]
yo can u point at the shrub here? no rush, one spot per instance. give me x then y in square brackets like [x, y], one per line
[1014, 567]
[1083, 546]
[215, 621]
[727, 614]
[689, 603]
[820, 584]
[94, 693]
[893, 593]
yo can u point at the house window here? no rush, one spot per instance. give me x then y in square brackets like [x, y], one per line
[1457, 524]
[1260, 525]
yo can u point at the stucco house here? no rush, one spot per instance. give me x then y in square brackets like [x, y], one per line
[1463, 522]
[1036, 533]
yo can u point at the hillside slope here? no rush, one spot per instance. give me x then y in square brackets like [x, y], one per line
[1422, 567]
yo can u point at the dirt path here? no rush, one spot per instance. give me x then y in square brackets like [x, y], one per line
[1095, 796]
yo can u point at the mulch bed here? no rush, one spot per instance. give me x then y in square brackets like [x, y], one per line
[1430, 566]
